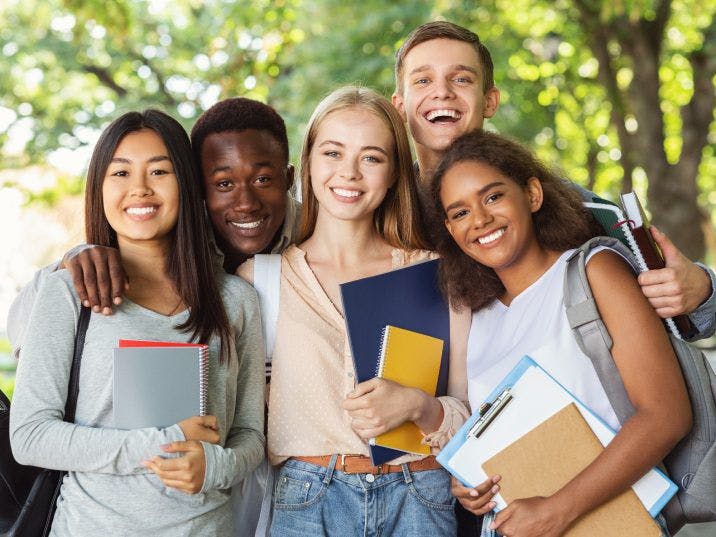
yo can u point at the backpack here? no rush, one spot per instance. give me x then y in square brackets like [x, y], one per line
[692, 462]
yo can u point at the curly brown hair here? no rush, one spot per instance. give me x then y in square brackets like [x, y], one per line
[561, 223]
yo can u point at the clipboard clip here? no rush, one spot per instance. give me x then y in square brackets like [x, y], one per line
[489, 411]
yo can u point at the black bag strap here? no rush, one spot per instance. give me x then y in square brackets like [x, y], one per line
[73, 389]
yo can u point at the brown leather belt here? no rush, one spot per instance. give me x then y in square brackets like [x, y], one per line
[360, 464]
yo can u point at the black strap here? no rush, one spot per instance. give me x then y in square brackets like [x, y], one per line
[73, 389]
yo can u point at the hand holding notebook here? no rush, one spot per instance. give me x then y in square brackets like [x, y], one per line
[413, 360]
[158, 384]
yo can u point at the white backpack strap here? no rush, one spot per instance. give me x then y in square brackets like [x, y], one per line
[267, 282]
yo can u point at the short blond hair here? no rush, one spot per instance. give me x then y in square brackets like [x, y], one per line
[397, 219]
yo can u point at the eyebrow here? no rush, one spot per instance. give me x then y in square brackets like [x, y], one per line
[456, 67]
[363, 148]
[157, 158]
[480, 192]
[226, 167]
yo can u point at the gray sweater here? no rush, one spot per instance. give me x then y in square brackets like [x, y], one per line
[107, 491]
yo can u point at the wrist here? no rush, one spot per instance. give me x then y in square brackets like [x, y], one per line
[705, 290]
[566, 506]
[427, 413]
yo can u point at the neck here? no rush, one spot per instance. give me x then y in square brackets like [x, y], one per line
[233, 258]
[428, 161]
[519, 276]
[144, 260]
[344, 242]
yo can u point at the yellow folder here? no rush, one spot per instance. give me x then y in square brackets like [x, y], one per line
[411, 359]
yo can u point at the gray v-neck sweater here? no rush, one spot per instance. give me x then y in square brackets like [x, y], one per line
[107, 491]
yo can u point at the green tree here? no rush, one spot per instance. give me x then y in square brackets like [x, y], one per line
[620, 94]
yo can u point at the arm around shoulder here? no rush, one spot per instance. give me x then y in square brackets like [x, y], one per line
[38, 434]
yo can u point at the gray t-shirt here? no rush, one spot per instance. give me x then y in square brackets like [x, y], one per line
[107, 490]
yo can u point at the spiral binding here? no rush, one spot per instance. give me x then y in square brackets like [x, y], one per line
[384, 336]
[203, 379]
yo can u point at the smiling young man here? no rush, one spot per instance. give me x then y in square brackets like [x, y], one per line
[241, 147]
[444, 88]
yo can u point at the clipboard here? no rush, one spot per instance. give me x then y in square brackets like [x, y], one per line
[534, 396]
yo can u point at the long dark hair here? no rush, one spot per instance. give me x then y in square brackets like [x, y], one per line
[561, 222]
[189, 259]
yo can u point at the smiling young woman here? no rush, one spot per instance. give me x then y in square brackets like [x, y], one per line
[508, 227]
[359, 219]
[143, 197]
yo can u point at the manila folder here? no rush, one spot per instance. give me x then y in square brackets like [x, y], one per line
[548, 457]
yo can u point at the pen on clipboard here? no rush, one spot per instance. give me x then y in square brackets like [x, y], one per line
[489, 411]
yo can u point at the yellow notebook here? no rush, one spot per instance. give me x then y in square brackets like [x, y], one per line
[411, 359]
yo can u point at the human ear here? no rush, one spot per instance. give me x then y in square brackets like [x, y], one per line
[448, 225]
[399, 104]
[492, 101]
[534, 193]
[290, 171]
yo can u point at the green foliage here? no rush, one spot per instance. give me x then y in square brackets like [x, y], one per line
[69, 66]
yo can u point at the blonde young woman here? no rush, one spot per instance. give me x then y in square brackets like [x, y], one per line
[360, 218]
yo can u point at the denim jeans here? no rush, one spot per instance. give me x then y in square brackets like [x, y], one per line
[312, 501]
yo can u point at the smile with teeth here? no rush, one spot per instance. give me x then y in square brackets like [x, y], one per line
[347, 193]
[445, 113]
[487, 239]
[140, 211]
[248, 225]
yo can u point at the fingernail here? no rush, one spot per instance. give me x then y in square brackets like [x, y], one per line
[145, 463]
[473, 493]
[165, 446]
[117, 300]
[491, 505]
[496, 478]
[85, 303]
[495, 489]
[106, 311]
[95, 309]
[492, 526]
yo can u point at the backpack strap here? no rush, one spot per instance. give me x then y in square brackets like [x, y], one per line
[587, 326]
[73, 389]
[267, 282]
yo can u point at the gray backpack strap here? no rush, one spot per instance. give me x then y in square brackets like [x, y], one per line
[267, 282]
[587, 326]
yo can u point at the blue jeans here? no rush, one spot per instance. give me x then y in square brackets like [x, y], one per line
[312, 501]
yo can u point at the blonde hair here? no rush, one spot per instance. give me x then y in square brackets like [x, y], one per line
[397, 219]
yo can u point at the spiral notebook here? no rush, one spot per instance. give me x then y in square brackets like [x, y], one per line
[158, 383]
[411, 359]
[408, 297]
[631, 226]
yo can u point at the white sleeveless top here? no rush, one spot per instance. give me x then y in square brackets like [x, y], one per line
[534, 324]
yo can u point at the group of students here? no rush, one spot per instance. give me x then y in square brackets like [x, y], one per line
[172, 218]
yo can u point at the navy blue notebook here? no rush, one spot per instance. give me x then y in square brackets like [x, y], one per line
[407, 298]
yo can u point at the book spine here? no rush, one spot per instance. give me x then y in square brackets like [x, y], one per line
[203, 378]
[384, 336]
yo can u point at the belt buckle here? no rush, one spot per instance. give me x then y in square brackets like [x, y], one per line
[379, 470]
[343, 463]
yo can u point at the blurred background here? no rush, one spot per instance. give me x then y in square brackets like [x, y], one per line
[618, 94]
